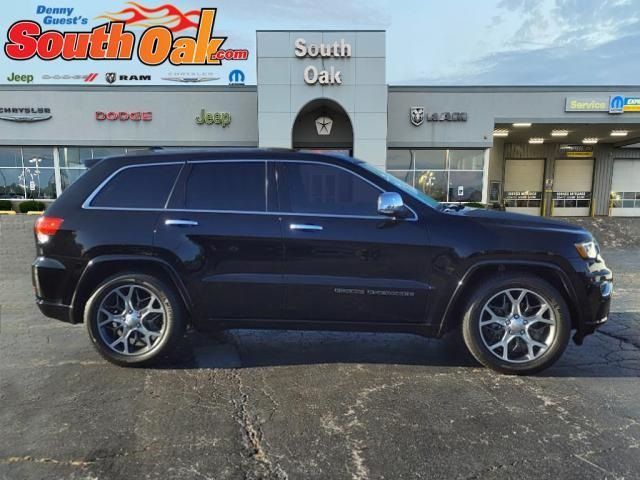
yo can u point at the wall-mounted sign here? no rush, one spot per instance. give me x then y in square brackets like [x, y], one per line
[417, 116]
[598, 103]
[213, 118]
[577, 151]
[622, 104]
[25, 114]
[519, 195]
[614, 104]
[20, 78]
[572, 195]
[324, 125]
[236, 77]
[311, 74]
[124, 116]
[53, 38]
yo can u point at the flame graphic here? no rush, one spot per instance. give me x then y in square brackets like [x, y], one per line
[166, 15]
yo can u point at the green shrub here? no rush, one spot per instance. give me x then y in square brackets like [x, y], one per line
[5, 205]
[31, 206]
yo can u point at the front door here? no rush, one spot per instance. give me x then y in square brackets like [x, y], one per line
[343, 261]
[218, 235]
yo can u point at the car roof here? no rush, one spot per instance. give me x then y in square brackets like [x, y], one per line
[157, 154]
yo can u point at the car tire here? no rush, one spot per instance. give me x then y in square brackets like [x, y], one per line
[492, 323]
[135, 319]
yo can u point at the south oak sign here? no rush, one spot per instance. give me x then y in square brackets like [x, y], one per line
[111, 41]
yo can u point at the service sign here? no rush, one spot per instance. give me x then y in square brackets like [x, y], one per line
[115, 42]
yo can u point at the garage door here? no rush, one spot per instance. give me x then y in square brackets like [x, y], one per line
[572, 181]
[625, 188]
[523, 181]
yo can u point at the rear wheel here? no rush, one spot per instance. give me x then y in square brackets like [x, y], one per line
[134, 319]
[516, 324]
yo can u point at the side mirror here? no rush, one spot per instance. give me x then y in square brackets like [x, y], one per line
[391, 205]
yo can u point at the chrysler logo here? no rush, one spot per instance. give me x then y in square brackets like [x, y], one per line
[25, 114]
[323, 125]
[190, 79]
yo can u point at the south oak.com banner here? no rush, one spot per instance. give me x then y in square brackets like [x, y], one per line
[120, 43]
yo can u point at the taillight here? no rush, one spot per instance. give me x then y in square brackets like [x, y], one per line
[46, 227]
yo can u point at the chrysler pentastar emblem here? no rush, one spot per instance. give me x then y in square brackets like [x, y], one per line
[416, 114]
[323, 125]
[190, 79]
[26, 118]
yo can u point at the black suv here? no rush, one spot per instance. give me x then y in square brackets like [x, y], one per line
[142, 246]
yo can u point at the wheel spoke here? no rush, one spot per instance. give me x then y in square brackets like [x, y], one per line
[494, 318]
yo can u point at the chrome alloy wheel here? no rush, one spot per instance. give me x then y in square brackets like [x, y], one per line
[517, 325]
[131, 320]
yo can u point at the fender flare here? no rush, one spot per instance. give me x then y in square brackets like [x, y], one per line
[564, 278]
[130, 259]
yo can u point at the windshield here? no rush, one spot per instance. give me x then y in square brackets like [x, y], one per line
[408, 189]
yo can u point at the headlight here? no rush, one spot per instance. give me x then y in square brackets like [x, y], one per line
[587, 250]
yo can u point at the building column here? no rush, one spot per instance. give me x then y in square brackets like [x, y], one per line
[602, 175]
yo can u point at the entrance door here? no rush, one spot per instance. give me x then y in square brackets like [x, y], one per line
[523, 180]
[572, 181]
[625, 188]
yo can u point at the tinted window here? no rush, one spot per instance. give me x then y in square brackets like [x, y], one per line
[138, 187]
[323, 189]
[227, 186]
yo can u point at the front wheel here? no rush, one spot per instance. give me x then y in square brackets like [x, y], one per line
[134, 319]
[516, 324]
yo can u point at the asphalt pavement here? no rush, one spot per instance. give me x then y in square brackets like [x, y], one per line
[309, 405]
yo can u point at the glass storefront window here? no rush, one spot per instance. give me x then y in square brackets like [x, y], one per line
[466, 159]
[37, 157]
[405, 175]
[399, 160]
[465, 186]
[433, 183]
[70, 175]
[445, 175]
[10, 157]
[430, 159]
[108, 151]
[11, 185]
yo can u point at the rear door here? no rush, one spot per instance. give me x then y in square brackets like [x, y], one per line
[217, 233]
[343, 261]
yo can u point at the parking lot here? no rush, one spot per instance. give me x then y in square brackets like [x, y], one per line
[278, 405]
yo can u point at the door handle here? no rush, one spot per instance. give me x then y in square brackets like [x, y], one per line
[180, 223]
[305, 227]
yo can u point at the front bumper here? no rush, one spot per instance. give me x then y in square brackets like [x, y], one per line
[598, 303]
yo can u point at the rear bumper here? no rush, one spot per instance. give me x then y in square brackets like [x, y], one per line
[55, 310]
[50, 279]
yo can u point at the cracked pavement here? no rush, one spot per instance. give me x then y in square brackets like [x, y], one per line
[289, 405]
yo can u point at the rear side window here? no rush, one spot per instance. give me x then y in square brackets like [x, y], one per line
[324, 189]
[138, 187]
[236, 186]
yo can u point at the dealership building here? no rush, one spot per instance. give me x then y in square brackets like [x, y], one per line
[552, 151]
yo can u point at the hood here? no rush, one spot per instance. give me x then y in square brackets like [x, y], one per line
[518, 220]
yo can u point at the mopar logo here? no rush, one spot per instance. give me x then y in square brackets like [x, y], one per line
[236, 77]
[616, 104]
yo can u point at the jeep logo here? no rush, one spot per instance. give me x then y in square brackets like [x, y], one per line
[16, 77]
